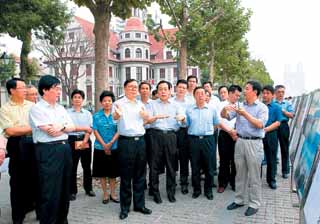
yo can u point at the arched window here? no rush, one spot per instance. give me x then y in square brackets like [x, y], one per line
[127, 53]
[138, 53]
[147, 54]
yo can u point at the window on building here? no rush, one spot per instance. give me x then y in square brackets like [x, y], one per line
[74, 70]
[110, 72]
[147, 73]
[81, 50]
[169, 54]
[128, 73]
[89, 93]
[72, 49]
[138, 35]
[88, 70]
[138, 53]
[175, 72]
[139, 73]
[162, 73]
[71, 35]
[152, 74]
[194, 72]
[127, 53]
[152, 57]
[127, 35]
[145, 36]
[147, 54]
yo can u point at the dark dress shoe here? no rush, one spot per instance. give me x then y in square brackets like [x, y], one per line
[196, 194]
[157, 199]
[234, 205]
[105, 201]
[251, 211]
[285, 176]
[273, 185]
[91, 193]
[73, 197]
[233, 187]
[143, 210]
[123, 215]
[171, 198]
[115, 200]
[209, 196]
[184, 189]
[220, 189]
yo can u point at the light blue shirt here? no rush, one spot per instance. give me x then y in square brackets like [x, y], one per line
[130, 123]
[80, 119]
[285, 105]
[184, 105]
[169, 108]
[42, 113]
[243, 127]
[201, 121]
[106, 127]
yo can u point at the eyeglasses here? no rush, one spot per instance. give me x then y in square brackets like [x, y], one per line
[23, 88]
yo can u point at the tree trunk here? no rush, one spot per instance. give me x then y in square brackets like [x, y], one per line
[25, 50]
[211, 63]
[101, 32]
[183, 48]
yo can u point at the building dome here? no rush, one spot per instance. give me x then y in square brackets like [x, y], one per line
[134, 24]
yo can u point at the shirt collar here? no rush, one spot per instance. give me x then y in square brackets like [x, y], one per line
[74, 110]
[12, 103]
[129, 101]
[46, 104]
[205, 106]
[169, 101]
[255, 102]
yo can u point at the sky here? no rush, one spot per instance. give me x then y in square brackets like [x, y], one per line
[282, 32]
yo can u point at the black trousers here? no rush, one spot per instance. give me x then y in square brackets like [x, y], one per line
[214, 147]
[184, 155]
[23, 176]
[283, 136]
[202, 157]
[54, 163]
[148, 142]
[164, 154]
[270, 146]
[84, 156]
[227, 168]
[132, 162]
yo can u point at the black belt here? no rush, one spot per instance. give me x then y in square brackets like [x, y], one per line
[200, 136]
[135, 138]
[165, 131]
[54, 142]
[76, 137]
[249, 138]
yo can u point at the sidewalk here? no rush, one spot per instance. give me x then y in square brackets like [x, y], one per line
[276, 207]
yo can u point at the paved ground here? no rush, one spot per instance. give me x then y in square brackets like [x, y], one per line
[276, 208]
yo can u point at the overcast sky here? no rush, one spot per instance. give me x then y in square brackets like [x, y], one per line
[283, 32]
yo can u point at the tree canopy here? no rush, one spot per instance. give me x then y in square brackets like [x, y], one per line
[46, 19]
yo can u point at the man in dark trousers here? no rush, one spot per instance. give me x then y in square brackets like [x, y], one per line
[270, 140]
[50, 124]
[130, 114]
[283, 130]
[14, 122]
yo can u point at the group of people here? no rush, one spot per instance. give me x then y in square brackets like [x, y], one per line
[167, 133]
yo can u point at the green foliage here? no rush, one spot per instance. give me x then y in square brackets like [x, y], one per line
[45, 18]
[34, 69]
[257, 71]
[7, 70]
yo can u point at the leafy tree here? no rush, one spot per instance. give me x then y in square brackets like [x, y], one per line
[102, 11]
[7, 70]
[20, 18]
[257, 71]
[66, 58]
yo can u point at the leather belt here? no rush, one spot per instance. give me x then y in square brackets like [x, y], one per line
[200, 136]
[76, 137]
[249, 138]
[165, 131]
[54, 142]
[135, 138]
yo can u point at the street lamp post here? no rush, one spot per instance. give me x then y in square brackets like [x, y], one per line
[5, 61]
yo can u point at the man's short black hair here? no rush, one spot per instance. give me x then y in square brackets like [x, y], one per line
[279, 87]
[129, 81]
[196, 89]
[268, 88]
[208, 82]
[256, 86]
[154, 92]
[106, 93]
[78, 91]
[12, 84]
[192, 77]
[166, 82]
[182, 81]
[221, 87]
[144, 83]
[46, 82]
[234, 88]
